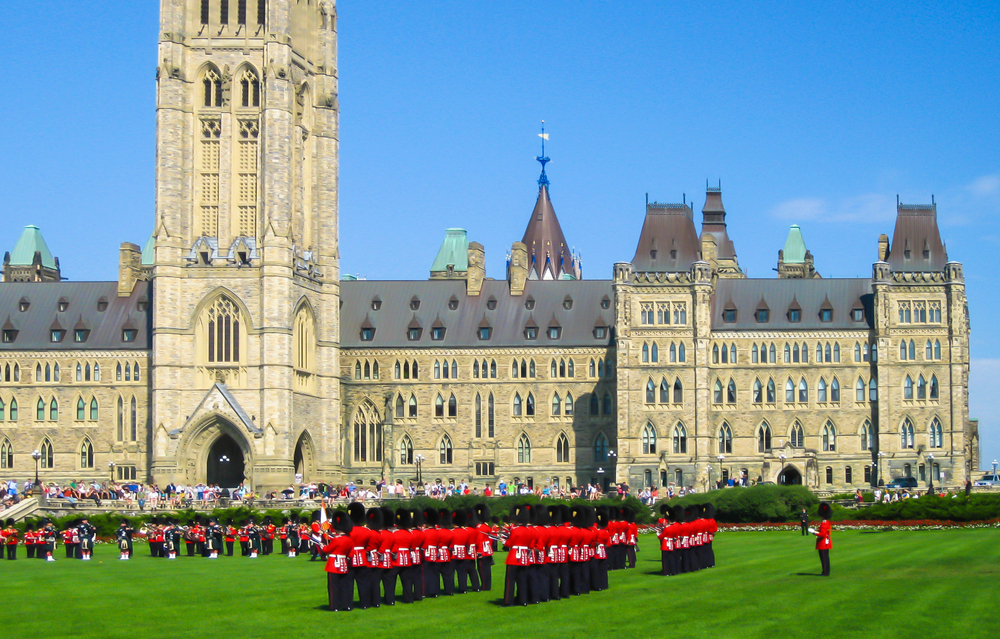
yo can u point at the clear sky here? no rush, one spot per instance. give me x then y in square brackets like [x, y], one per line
[817, 114]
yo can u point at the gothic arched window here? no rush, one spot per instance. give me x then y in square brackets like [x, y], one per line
[798, 436]
[367, 434]
[405, 450]
[562, 449]
[212, 89]
[764, 438]
[725, 439]
[829, 437]
[649, 440]
[6, 454]
[223, 331]
[445, 451]
[523, 449]
[86, 454]
[906, 434]
[680, 439]
[601, 448]
[46, 450]
[249, 89]
[937, 438]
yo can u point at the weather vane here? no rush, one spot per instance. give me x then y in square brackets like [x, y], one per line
[543, 180]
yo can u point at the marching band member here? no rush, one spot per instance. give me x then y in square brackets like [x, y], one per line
[484, 559]
[230, 537]
[87, 535]
[124, 537]
[71, 539]
[340, 584]
[518, 559]
[10, 539]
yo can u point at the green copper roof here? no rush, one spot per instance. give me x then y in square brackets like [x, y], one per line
[24, 251]
[795, 246]
[454, 250]
[149, 251]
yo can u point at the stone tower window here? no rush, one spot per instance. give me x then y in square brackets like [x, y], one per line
[212, 89]
[46, 451]
[367, 434]
[222, 332]
[247, 176]
[249, 89]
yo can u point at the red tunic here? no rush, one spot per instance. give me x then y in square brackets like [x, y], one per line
[337, 553]
[823, 541]
[519, 544]
[419, 538]
[360, 537]
[483, 541]
[385, 549]
[443, 538]
[402, 548]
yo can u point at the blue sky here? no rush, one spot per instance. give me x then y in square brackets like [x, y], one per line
[817, 114]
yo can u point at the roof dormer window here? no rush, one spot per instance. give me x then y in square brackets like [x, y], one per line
[858, 315]
[729, 315]
[554, 332]
[568, 303]
[63, 304]
[413, 334]
[102, 304]
[826, 315]
[491, 303]
[56, 335]
[129, 334]
[23, 305]
[453, 303]
[414, 303]
[437, 333]
[531, 332]
[367, 334]
[529, 303]
[605, 302]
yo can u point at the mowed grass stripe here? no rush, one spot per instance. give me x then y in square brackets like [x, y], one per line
[932, 584]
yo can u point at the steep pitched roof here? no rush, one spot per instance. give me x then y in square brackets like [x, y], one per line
[454, 251]
[548, 254]
[714, 222]
[31, 240]
[795, 246]
[916, 242]
[668, 242]
[781, 295]
[149, 251]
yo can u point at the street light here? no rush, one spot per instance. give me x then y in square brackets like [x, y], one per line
[709, 469]
[994, 468]
[880, 480]
[420, 460]
[613, 459]
[782, 474]
[930, 480]
[111, 469]
[36, 456]
[720, 457]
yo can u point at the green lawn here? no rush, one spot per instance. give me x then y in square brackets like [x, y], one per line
[916, 584]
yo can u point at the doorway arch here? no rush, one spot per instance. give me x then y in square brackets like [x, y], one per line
[304, 458]
[225, 465]
[790, 476]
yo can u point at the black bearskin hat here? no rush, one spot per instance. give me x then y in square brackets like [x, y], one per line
[388, 517]
[342, 522]
[267, 521]
[444, 518]
[496, 520]
[357, 512]
[601, 513]
[825, 510]
[691, 512]
[402, 518]
[565, 513]
[677, 514]
[471, 518]
[459, 517]
[431, 517]
[483, 512]
[124, 522]
[709, 512]
[664, 509]
[555, 515]
[417, 518]
[522, 513]
[373, 518]
[9, 522]
[628, 515]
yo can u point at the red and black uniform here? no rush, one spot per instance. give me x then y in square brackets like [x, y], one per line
[339, 581]
[446, 560]
[823, 545]
[360, 566]
[390, 571]
[484, 555]
[267, 534]
[515, 591]
[465, 549]
[401, 553]
[71, 541]
[668, 548]
[29, 541]
[10, 540]
[417, 564]
[603, 538]
[631, 539]
[711, 528]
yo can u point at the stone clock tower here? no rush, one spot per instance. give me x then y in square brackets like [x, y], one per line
[246, 277]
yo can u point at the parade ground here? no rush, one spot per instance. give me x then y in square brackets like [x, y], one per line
[766, 584]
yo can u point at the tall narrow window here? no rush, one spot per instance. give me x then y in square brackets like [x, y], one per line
[798, 436]
[829, 437]
[400, 410]
[725, 439]
[367, 434]
[529, 405]
[664, 392]
[205, 13]
[479, 416]
[445, 451]
[731, 392]
[247, 172]
[452, 406]
[790, 391]
[86, 454]
[834, 390]
[937, 433]
[562, 449]
[439, 406]
[649, 440]
[934, 387]
[867, 437]
[412, 406]
[717, 392]
[680, 439]
[517, 408]
[46, 450]
[133, 422]
[81, 410]
[678, 392]
[6, 454]
[120, 434]
[764, 438]
[241, 12]
[906, 434]
[489, 417]
[223, 334]
[803, 391]
[821, 391]
[654, 355]
[261, 11]
[40, 410]
[908, 388]
[568, 405]
[601, 448]
[673, 352]
[921, 387]
[681, 355]
[770, 392]
[758, 392]
[859, 391]
[523, 449]
[223, 11]
[606, 405]
[651, 392]
[405, 450]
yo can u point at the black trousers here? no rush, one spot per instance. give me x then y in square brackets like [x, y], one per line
[190, 549]
[71, 550]
[340, 590]
[515, 588]
[284, 546]
[710, 555]
[389, 578]
[579, 578]
[229, 548]
[431, 578]
[419, 581]
[552, 571]
[805, 528]
[630, 553]
[467, 575]
[448, 576]
[362, 577]
[602, 573]
[824, 560]
[484, 565]
[375, 586]
[11, 552]
[564, 581]
[408, 578]
[538, 583]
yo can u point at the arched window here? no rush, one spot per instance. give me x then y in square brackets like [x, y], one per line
[834, 390]
[790, 391]
[135, 371]
[908, 388]
[437, 369]
[921, 387]
[913, 350]
[55, 373]
[673, 352]
[568, 405]
[788, 354]
[836, 352]
[475, 369]
[46, 450]
[857, 351]
[452, 406]
[439, 406]
[304, 340]
[128, 372]
[368, 370]
[40, 410]
[678, 391]
[38, 372]
[490, 414]
[827, 353]
[758, 392]
[601, 448]
[121, 420]
[600, 368]
[753, 354]
[731, 392]
[795, 353]
[829, 437]
[715, 354]
[367, 434]
[872, 390]
[867, 436]
[593, 368]
[595, 408]
[803, 391]
[764, 438]
[725, 354]
[412, 406]
[97, 372]
[934, 387]
[223, 331]
[717, 392]
[554, 367]
[937, 349]
[732, 353]
[529, 405]
[654, 355]
[93, 409]
[79, 372]
[645, 354]
[937, 433]
[523, 449]
[493, 369]
[681, 355]
[48, 372]
[212, 89]
[479, 415]
[516, 411]
[906, 434]
[81, 409]
[829, 474]
[13, 409]
[771, 392]
[859, 390]
[6, 454]
[134, 423]
[86, 454]
[118, 372]
[607, 406]
[798, 436]
[445, 451]
[772, 353]
[902, 350]
[249, 88]
[725, 439]
[531, 368]
[398, 371]
[562, 449]
[650, 392]
[2, 409]
[514, 369]
[649, 440]
[928, 351]
[680, 439]
[664, 392]
[821, 390]
[405, 450]
[556, 404]
[454, 369]
[400, 407]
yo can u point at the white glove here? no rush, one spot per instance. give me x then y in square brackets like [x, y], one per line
[812, 530]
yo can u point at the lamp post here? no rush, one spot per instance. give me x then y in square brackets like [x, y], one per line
[930, 476]
[994, 468]
[880, 480]
[37, 456]
[781, 475]
[111, 470]
[709, 469]
[720, 457]
[420, 460]
[612, 459]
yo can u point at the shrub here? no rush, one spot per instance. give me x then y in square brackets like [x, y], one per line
[762, 503]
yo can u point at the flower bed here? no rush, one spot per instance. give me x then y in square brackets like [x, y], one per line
[915, 524]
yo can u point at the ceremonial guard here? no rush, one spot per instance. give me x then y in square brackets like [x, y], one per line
[155, 537]
[432, 570]
[373, 556]
[417, 554]
[29, 540]
[305, 534]
[484, 558]
[631, 536]
[668, 542]
[48, 538]
[230, 537]
[360, 567]
[283, 534]
[339, 547]
[10, 539]
[88, 535]
[823, 541]
[518, 558]
[267, 533]
[463, 551]
[71, 539]
[387, 551]
[213, 539]
[172, 538]
[403, 552]
[124, 538]
[191, 536]
[245, 538]
[253, 538]
[599, 572]
[446, 561]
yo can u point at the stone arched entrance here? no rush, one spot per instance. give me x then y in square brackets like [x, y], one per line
[225, 465]
[790, 475]
[304, 457]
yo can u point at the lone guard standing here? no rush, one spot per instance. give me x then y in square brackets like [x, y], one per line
[823, 542]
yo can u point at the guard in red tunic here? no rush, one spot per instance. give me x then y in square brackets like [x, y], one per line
[465, 549]
[515, 591]
[71, 539]
[267, 533]
[599, 575]
[373, 555]
[668, 542]
[552, 536]
[401, 549]
[484, 556]
[10, 535]
[446, 561]
[339, 546]
[29, 540]
[823, 541]
[631, 536]
[417, 554]
[359, 560]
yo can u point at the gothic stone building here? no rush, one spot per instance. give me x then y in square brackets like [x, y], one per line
[230, 349]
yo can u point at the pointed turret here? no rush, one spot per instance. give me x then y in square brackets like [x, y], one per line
[31, 260]
[668, 242]
[713, 223]
[549, 256]
[916, 242]
[795, 261]
[452, 261]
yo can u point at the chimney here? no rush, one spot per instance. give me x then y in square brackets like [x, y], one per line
[129, 268]
[517, 268]
[477, 269]
[883, 247]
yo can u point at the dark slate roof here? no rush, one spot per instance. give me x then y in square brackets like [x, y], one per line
[35, 324]
[507, 320]
[917, 232]
[547, 248]
[779, 295]
[714, 222]
[668, 242]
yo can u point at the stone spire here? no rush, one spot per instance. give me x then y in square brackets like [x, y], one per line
[713, 223]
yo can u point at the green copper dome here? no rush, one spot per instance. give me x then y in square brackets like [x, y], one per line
[30, 242]
[795, 246]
